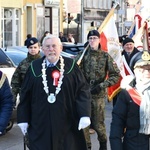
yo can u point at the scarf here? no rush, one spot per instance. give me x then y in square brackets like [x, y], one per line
[144, 91]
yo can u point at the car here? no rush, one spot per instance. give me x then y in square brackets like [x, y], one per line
[9, 60]
[72, 48]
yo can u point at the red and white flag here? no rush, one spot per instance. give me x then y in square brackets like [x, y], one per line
[141, 37]
[110, 43]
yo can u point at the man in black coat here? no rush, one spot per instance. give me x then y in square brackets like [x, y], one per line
[129, 50]
[130, 126]
[55, 101]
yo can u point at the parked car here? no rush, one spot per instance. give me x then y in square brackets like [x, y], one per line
[71, 48]
[9, 60]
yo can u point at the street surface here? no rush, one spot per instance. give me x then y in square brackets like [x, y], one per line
[13, 140]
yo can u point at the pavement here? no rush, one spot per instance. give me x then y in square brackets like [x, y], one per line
[13, 140]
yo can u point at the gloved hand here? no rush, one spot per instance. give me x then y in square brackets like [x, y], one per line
[95, 89]
[84, 122]
[23, 126]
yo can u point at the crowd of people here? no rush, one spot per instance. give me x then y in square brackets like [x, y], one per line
[60, 100]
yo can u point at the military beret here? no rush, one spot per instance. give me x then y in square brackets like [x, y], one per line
[32, 41]
[127, 40]
[93, 33]
[140, 59]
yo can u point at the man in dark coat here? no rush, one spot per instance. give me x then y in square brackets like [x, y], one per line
[6, 102]
[55, 102]
[128, 49]
[130, 127]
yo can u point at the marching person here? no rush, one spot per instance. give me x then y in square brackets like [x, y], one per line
[129, 50]
[6, 102]
[18, 76]
[55, 102]
[130, 126]
[100, 71]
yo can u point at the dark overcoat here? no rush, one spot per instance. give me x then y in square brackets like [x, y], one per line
[54, 126]
[124, 131]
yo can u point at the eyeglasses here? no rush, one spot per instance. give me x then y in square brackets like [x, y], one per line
[93, 38]
[47, 47]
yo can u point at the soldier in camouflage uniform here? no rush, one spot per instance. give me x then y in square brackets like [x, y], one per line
[100, 71]
[18, 76]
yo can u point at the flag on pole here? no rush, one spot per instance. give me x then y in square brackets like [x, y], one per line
[141, 37]
[135, 26]
[110, 43]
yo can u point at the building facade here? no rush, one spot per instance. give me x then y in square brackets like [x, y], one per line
[22, 17]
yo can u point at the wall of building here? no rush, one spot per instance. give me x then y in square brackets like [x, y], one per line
[93, 11]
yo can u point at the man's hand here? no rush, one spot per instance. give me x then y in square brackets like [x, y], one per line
[84, 122]
[95, 89]
[23, 127]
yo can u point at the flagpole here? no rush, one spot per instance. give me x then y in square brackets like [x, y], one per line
[111, 12]
[101, 28]
[140, 32]
[134, 22]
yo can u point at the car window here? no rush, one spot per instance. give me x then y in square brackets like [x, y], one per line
[5, 62]
[73, 49]
[14, 56]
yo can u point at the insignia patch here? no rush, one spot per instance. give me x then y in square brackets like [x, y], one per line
[32, 42]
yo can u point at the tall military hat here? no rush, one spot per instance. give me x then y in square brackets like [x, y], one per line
[140, 59]
[32, 41]
[93, 33]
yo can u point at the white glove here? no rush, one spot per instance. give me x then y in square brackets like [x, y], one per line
[84, 122]
[23, 127]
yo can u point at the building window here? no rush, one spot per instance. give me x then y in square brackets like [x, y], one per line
[10, 27]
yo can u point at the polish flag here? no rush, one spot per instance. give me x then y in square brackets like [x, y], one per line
[110, 43]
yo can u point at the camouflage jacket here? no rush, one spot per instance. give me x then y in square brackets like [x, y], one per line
[20, 72]
[99, 68]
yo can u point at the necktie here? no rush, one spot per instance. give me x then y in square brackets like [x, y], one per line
[51, 65]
